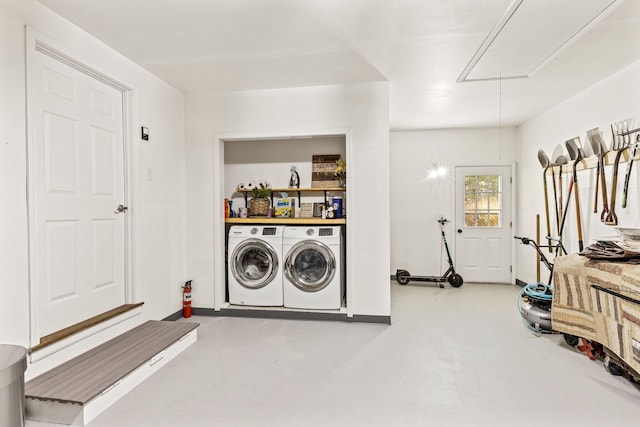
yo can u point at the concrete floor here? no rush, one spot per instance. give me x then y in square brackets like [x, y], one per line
[452, 357]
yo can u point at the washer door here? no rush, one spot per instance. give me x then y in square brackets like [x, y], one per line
[310, 265]
[254, 263]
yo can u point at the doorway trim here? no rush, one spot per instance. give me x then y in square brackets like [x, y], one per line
[513, 185]
[38, 43]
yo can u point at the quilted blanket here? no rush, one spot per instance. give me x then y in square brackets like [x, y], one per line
[599, 300]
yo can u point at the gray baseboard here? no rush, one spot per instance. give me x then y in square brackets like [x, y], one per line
[273, 314]
[175, 316]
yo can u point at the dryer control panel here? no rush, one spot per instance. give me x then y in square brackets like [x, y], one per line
[325, 232]
[269, 231]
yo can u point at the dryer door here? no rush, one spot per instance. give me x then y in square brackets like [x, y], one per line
[254, 263]
[310, 265]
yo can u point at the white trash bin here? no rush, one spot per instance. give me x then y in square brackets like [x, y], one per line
[13, 363]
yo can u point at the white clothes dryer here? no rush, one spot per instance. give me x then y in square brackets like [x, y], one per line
[312, 267]
[254, 265]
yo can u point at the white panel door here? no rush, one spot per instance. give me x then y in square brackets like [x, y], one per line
[77, 182]
[483, 223]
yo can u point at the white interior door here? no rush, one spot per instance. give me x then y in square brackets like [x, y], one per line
[77, 181]
[483, 223]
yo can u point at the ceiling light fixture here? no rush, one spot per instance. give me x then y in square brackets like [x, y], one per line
[529, 35]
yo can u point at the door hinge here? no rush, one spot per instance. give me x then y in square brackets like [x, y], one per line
[510, 224]
[510, 269]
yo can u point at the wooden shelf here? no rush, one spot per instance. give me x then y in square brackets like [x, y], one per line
[299, 191]
[591, 162]
[305, 190]
[291, 221]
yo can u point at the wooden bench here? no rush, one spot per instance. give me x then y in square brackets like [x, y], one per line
[78, 390]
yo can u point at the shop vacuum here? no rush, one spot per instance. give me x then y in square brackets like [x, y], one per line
[534, 300]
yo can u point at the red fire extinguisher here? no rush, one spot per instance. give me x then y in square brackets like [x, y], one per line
[186, 299]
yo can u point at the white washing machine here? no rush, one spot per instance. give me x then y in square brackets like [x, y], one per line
[254, 265]
[312, 267]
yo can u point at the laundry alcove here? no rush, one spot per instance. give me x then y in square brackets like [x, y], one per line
[271, 160]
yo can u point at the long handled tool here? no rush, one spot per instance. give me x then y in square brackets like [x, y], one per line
[577, 154]
[560, 161]
[555, 196]
[628, 174]
[546, 164]
[560, 247]
[596, 135]
[595, 147]
[612, 218]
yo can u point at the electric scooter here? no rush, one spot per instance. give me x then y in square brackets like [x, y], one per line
[403, 276]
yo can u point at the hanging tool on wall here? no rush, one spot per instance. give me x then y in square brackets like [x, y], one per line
[555, 196]
[574, 148]
[628, 173]
[595, 141]
[620, 143]
[599, 149]
[560, 161]
[564, 210]
[546, 164]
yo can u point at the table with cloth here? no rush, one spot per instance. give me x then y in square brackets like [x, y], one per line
[599, 300]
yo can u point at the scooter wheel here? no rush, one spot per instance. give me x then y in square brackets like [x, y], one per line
[402, 276]
[455, 280]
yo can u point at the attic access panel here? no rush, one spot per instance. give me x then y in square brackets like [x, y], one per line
[529, 34]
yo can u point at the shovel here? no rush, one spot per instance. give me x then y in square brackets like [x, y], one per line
[574, 148]
[546, 164]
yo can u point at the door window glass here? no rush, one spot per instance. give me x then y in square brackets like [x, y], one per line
[482, 201]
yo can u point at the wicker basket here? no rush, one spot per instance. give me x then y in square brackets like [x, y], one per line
[259, 207]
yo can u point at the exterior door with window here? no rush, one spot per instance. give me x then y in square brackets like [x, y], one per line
[483, 223]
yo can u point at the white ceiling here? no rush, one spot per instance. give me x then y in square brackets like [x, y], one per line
[419, 46]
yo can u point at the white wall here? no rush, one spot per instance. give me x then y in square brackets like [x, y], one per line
[158, 206]
[361, 110]
[611, 100]
[415, 200]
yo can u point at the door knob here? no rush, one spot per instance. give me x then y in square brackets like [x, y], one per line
[459, 230]
[120, 209]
